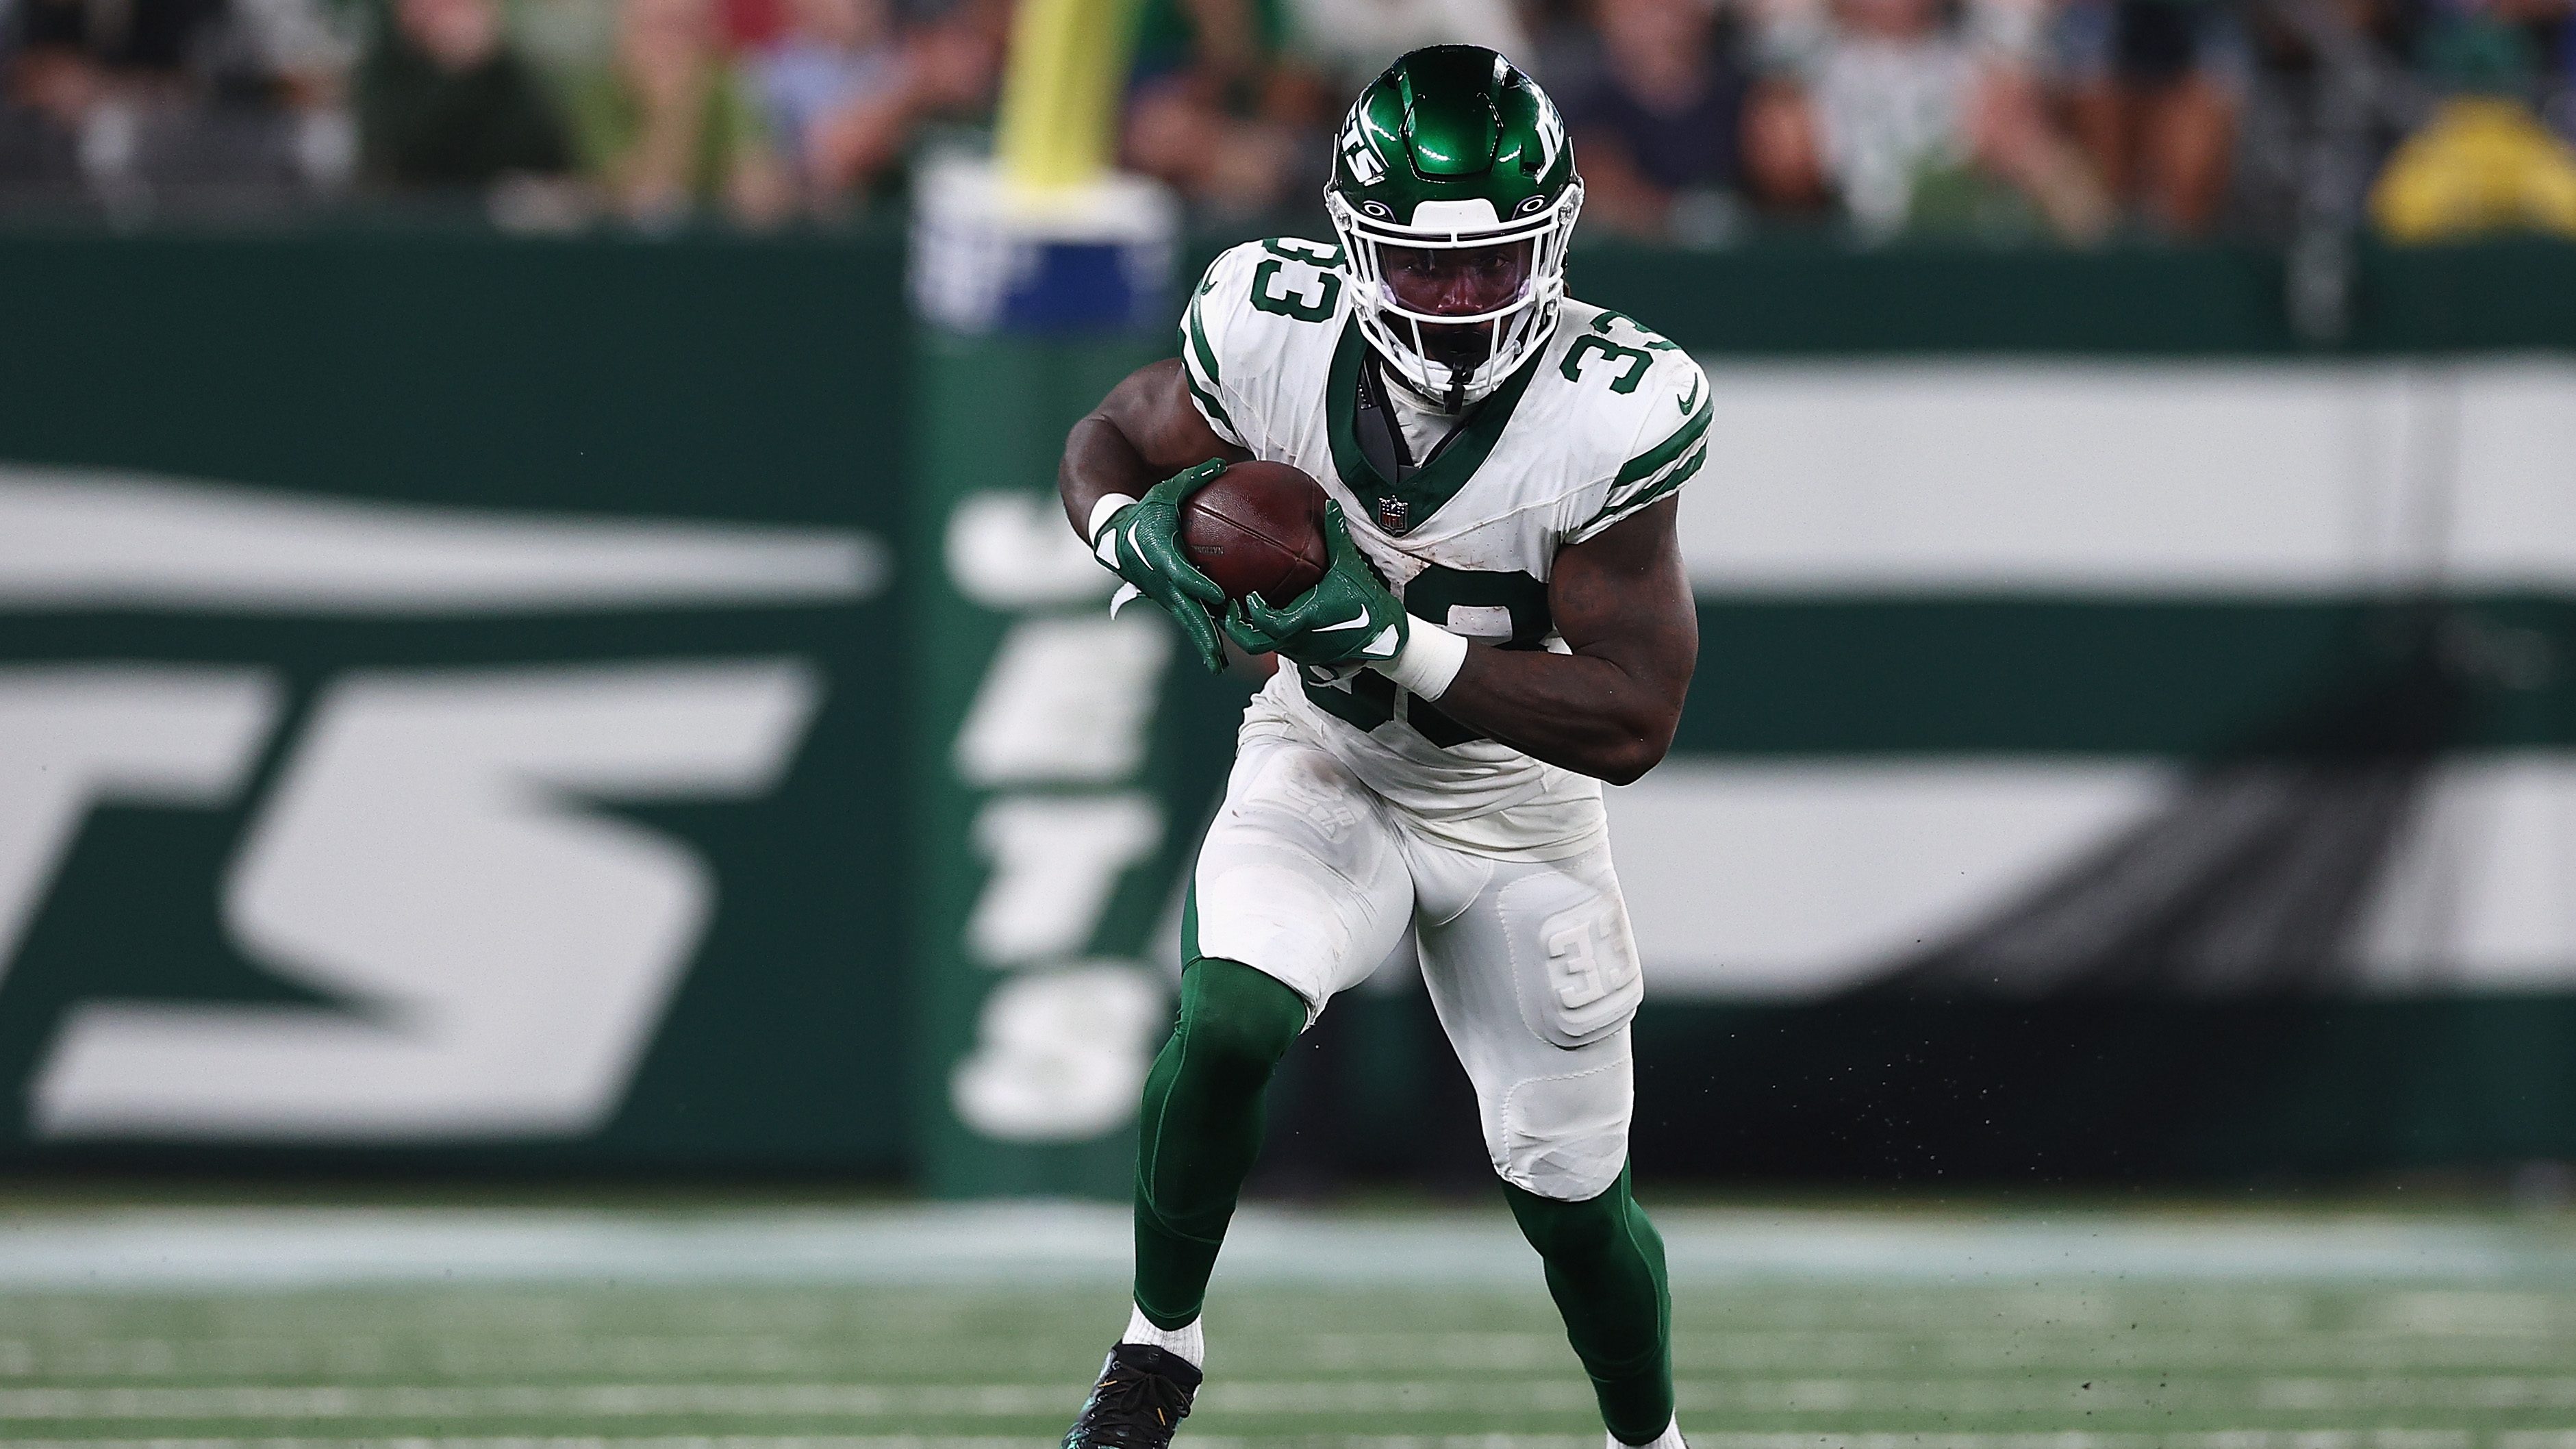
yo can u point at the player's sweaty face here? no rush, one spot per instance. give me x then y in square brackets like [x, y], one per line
[1457, 281]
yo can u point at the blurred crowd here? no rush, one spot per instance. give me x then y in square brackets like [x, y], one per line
[540, 112]
[1695, 121]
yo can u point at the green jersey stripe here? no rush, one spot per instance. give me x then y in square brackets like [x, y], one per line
[1621, 497]
[1209, 405]
[1659, 457]
[1671, 481]
[1196, 331]
[1616, 512]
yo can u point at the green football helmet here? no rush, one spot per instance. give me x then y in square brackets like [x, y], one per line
[1454, 194]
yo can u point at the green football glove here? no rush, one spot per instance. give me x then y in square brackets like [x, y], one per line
[1141, 544]
[1349, 618]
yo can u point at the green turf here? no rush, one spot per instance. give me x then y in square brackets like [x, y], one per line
[1791, 1363]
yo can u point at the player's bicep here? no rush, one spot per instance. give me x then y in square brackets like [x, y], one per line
[1623, 595]
[1153, 410]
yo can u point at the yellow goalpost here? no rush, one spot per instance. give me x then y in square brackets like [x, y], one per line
[1060, 92]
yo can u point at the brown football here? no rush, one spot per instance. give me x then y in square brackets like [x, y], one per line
[1258, 528]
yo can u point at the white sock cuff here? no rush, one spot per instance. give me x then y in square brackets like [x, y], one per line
[1671, 1438]
[1432, 658]
[1185, 1340]
[1667, 1439]
[1109, 503]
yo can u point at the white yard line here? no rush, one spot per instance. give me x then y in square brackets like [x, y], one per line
[2484, 1393]
[2306, 1438]
[2065, 1390]
[1068, 1243]
[724, 1441]
[1696, 1355]
[571, 1355]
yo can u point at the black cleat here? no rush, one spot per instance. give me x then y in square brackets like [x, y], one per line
[1143, 1395]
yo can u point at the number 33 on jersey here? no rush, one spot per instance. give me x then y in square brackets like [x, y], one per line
[1604, 420]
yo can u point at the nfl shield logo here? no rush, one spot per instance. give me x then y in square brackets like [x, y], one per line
[1394, 515]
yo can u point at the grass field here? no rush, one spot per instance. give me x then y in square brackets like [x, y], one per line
[874, 1330]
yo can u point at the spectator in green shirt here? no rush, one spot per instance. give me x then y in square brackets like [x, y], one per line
[671, 129]
[1217, 110]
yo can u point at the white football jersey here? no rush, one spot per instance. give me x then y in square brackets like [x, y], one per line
[1608, 418]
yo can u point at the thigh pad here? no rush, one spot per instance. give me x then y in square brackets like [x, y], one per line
[1573, 958]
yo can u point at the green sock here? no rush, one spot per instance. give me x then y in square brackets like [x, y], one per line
[1201, 1127]
[1605, 1268]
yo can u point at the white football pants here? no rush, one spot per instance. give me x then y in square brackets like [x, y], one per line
[1311, 878]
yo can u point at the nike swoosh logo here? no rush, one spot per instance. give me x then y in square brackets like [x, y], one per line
[1686, 404]
[1356, 621]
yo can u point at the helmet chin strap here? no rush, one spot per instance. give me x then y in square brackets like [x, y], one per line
[1451, 399]
[1453, 403]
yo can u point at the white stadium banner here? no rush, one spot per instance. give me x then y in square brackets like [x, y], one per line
[2076, 478]
[433, 855]
[2058, 482]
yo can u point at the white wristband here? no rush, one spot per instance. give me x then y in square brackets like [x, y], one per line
[1431, 658]
[1109, 503]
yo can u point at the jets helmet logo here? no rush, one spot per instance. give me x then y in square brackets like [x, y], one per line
[1367, 168]
[1551, 136]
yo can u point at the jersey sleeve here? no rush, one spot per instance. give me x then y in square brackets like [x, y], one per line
[1670, 443]
[1208, 325]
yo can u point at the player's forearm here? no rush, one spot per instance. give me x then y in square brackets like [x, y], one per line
[1145, 431]
[1587, 714]
[1099, 461]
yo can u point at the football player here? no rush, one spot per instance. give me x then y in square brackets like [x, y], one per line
[1505, 624]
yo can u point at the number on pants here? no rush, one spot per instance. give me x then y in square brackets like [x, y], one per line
[1591, 967]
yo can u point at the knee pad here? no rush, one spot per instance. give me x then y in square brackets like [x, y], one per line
[1566, 1137]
